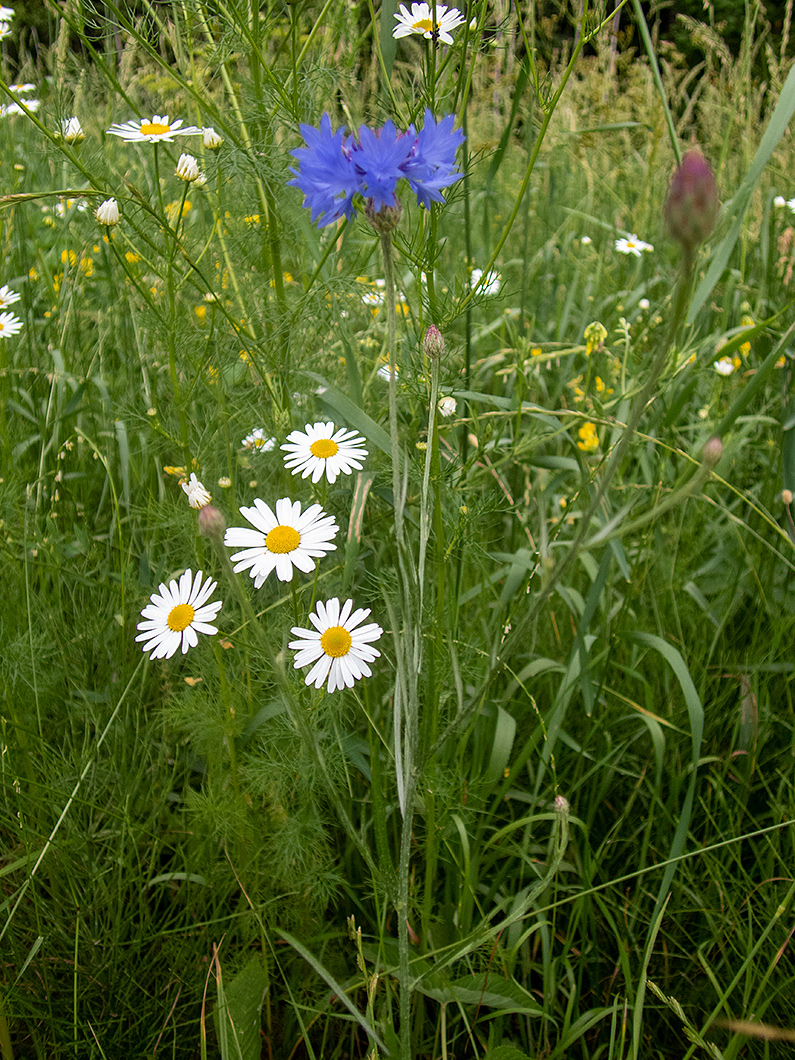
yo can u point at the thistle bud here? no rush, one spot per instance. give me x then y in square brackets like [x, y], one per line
[692, 203]
[433, 343]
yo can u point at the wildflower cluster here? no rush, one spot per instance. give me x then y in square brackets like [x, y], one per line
[283, 539]
[335, 168]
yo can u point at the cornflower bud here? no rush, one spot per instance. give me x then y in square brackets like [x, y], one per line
[212, 523]
[385, 220]
[712, 453]
[692, 203]
[433, 343]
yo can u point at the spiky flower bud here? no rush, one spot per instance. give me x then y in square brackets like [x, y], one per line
[433, 343]
[692, 203]
[385, 220]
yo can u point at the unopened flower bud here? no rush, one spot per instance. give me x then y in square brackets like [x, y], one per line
[433, 343]
[72, 130]
[712, 453]
[786, 496]
[212, 523]
[562, 805]
[692, 203]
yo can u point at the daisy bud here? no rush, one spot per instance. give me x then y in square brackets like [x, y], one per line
[712, 453]
[692, 203]
[210, 138]
[107, 213]
[187, 168]
[72, 130]
[433, 343]
[212, 523]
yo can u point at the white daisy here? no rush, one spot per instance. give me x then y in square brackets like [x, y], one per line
[177, 614]
[6, 14]
[420, 20]
[791, 204]
[447, 405]
[7, 109]
[210, 138]
[196, 493]
[385, 372]
[725, 366]
[338, 649]
[28, 85]
[5, 30]
[779, 202]
[187, 168]
[154, 131]
[107, 213]
[491, 284]
[72, 130]
[632, 245]
[9, 325]
[282, 540]
[7, 296]
[586, 241]
[259, 441]
[320, 451]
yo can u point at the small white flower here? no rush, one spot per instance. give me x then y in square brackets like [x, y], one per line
[7, 296]
[340, 651]
[154, 131]
[210, 138]
[72, 130]
[385, 372]
[259, 441]
[7, 109]
[585, 241]
[281, 540]
[187, 168]
[791, 204]
[20, 90]
[319, 450]
[633, 245]
[107, 213]
[491, 284]
[196, 493]
[9, 325]
[644, 304]
[5, 30]
[725, 366]
[447, 405]
[6, 14]
[779, 202]
[420, 20]
[177, 614]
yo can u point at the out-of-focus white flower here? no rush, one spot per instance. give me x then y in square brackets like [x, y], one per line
[447, 406]
[210, 138]
[725, 366]
[779, 201]
[259, 441]
[644, 304]
[633, 245]
[72, 130]
[491, 284]
[585, 241]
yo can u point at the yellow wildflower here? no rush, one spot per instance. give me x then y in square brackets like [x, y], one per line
[588, 438]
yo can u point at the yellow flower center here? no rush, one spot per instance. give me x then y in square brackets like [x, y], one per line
[154, 128]
[423, 24]
[323, 448]
[283, 539]
[180, 617]
[336, 641]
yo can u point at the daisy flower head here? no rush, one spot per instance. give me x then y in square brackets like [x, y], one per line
[211, 139]
[196, 493]
[176, 614]
[107, 213]
[259, 441]
[779, 202]
[421, 20]
[154, 131]
[725, 366]
[9, 325]
[339, 646]
[491, 284]
[187, 168]
[72, 130]
[5, 30]
[281, 540]
[320, 450]
[7, 296]
[632, 245]
[6, 14]
[448, 406]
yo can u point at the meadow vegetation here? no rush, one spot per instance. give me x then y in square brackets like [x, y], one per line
[549, 812]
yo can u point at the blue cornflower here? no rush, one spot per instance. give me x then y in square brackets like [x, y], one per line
[326, 176]
[379, 160]
[333, 169]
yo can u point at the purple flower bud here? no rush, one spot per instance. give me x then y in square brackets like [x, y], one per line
[712, 452]
[433, 343]
[212, 523]
[692, 203]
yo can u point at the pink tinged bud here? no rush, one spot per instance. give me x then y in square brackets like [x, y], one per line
[433, 343]
[692, 203]
[212, 523]
[712, 453]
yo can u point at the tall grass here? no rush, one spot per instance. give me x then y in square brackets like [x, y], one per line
[556, 820]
